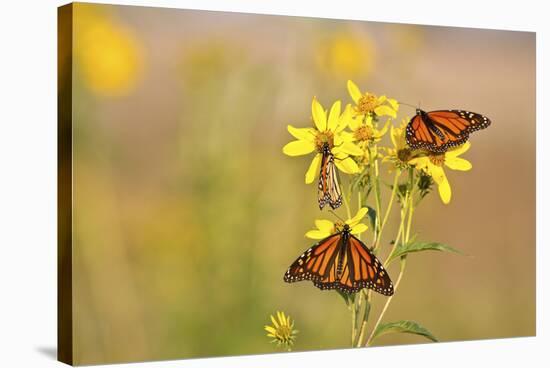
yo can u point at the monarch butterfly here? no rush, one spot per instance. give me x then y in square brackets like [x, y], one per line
[437, 131]
[341, 261]
[329, 187]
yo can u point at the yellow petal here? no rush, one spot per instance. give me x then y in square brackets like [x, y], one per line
[298, 148]
[319, 115]
[317, 234]
[444, 189]
[270, 329]
[281, 317]
[457, 163]
[358, 229]
[368, 121]
[420, 163]
[347, 166]
[382, 99]
[394, 133]
[349, 148]
[274, 322]
[393, 103]
[313, 168]
[304, 134]
[324, 225]
[343, 137]
[458, 151]
[384, 129]
[334, 116]
[355, 123]
[344, 119]
[385, 110]
[354, 91]
[437, 174]
[358, 216]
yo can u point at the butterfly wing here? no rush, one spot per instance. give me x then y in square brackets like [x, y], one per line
[329, 187]
[437, 131]
[316, 262]
[360, 269]
[348, 267]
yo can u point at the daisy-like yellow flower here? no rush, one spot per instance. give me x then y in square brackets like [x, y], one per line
[326, 227]
[400, 154]
[282, 331]
[364, 131]
[371, 105]
[328, 130]
[433, 164]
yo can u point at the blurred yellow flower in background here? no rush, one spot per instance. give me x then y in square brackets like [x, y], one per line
[282, 331]
[346, 55]
[326, 227]
[369, 104]
[433, 164]
[327, 131]
[108, 54]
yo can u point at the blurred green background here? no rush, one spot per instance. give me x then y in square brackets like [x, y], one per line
[187, 214]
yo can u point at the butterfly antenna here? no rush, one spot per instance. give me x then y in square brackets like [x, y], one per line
[407, 104]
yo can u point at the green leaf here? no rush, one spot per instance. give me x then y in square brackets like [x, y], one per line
[412, 247]
[403, 327]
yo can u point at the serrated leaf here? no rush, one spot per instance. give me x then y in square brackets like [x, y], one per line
[412, 247]
[403, 327]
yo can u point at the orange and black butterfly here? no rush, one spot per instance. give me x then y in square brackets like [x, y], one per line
[329, 188]
[341, 261]
[437, 131]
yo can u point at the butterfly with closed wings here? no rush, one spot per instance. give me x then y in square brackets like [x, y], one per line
[329, 188]
[341, 261]
[438, 131]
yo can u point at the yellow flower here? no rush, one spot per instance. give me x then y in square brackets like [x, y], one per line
[371, 105]
[327, 131]
[363, 130]
[433, 164]
[345, 55]
[326, 227]
[108, 54]
[401, 154]
[282, 331]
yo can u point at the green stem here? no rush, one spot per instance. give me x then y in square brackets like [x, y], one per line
[366, 313]
[388, 209]
[346, 204]
[377, 195]
[406, 214]
[353, 322]
[369, 340]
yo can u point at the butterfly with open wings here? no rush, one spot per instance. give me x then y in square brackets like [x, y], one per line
[341, 261]
[438, 131]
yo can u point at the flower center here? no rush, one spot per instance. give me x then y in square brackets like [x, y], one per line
[367, 103]
[364, 133]
[404, 155]
[437, 159]
[284, 333]
[324, 137]
[338, 227]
